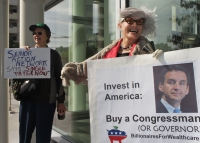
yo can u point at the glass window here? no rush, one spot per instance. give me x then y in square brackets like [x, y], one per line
[13, 9]
[89, 8]
[177, 23]
[80, 28]
[14, 38]
[12, 24]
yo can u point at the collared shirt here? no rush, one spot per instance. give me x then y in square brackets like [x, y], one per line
[169, 107]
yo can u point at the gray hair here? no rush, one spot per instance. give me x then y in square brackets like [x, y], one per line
[149, 29]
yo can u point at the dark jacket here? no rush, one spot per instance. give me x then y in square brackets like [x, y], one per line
[160, 108]
[45, 84]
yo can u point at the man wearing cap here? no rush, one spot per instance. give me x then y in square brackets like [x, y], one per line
[38, 110]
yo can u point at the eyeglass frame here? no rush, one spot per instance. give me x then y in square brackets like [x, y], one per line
[134, 21]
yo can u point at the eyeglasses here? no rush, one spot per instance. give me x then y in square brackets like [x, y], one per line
[39, 33]
[131, 21]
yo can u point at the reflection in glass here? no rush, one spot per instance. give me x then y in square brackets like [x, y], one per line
[177, 24]
[80, 28]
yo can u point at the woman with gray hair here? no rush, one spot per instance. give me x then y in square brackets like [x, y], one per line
[135, 25]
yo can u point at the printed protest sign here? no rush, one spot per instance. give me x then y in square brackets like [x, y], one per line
[21, 63]
[140, 99]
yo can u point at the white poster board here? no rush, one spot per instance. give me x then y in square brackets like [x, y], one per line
[123, 96]
[21, 63]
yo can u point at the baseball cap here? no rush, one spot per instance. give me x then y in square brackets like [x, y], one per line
[39, 25]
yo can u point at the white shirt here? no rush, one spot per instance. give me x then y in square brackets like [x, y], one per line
[169, 107]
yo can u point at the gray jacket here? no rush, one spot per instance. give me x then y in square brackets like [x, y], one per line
[78, 71]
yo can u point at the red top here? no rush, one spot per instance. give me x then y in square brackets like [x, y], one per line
[113, 52]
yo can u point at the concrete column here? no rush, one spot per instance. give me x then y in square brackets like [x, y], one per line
[4, 22]
[31, 12]
[78, 49]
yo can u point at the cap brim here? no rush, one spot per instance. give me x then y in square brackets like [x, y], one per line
[32, 27]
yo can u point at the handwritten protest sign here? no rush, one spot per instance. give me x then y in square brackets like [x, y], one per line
[127, 103]
[21, 63]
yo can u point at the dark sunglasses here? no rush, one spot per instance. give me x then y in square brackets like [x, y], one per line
[131, 21]
[39, 33]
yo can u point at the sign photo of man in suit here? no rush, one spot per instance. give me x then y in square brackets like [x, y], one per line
[174, 84]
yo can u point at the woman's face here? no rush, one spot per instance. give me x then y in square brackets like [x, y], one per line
[131, 32]
[40, 37]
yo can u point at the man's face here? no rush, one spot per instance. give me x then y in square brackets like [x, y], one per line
[175, 86]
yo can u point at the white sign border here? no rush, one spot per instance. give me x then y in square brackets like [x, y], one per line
[179, 56]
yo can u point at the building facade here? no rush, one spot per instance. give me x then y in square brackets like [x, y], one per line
[80, 28]
[14, 21]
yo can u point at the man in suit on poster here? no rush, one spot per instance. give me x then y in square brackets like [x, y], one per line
[174, 84]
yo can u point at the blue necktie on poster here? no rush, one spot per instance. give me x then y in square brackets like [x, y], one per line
[176, 110]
